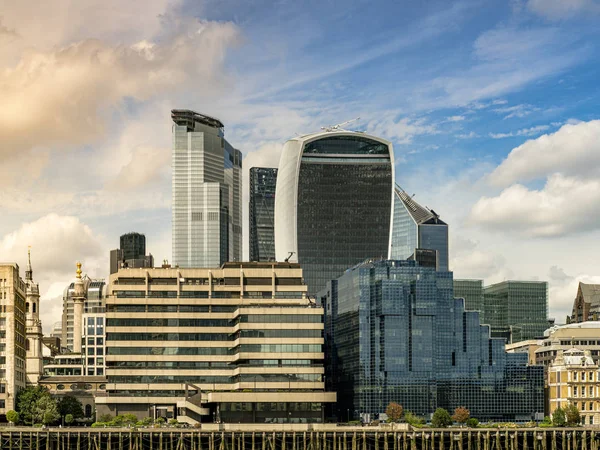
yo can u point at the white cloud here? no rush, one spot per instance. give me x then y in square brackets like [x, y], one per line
[57, 243]
[564, 205]
[523, 132]
[401, 131]
[518, 111]
[563, 9]
[470, 260]
[573, 150]
[455, 118]
[470, 135]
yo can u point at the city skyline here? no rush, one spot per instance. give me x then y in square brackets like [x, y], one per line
[459, 88]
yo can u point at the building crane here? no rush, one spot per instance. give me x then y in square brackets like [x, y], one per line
[339, 126]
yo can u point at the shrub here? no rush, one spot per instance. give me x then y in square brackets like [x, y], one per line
[472, 422]
[69, 419]
[461, 414]
[572, 415]
[558, 418]
[413, 419]
[394, 411]
[12, 416]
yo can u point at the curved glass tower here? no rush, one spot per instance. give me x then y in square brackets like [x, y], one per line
[333, 203]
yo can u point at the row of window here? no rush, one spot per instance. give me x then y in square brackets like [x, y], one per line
[214, 336]
[179, 322]
[254, 348]
[217, 379]
[214, 364]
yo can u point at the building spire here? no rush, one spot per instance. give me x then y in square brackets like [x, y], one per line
[29, 271]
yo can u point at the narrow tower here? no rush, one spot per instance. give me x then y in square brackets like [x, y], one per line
[33, 324]
[78, 299]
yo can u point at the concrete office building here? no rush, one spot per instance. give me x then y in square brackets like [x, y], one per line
[395, 332]
[262, 213]
[240, 343]
[94, 298]
[207, 189]
[131, 253]
[516, 310]
[333, 203]
[13, 371]
[417, 227]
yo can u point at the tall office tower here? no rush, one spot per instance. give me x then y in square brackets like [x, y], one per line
[333, 203]
[241, 343]
[587, 303]
[516, 310]
[13, 292]
[33, 326]
[94, 303]
[262, 213]
[472, 292]
[416, 227]
[395, 333]
[131, 253]
[207, 188]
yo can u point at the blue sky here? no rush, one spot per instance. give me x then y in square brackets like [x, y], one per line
[492, 107]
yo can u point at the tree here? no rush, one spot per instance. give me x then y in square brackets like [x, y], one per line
[441, 418]
[45, 411]
[461, 414]
[12, 416]
[572, 415]
[69, 419]
[394, 411]
[558, 418]
[70, 405]
[32, 403]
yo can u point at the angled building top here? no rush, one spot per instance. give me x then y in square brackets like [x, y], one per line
[419, 214]
[187, 117]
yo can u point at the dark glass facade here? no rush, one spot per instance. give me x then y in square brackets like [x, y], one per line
[261, 213]
[395, 332]
[343, 207]
[472, 292]
[133, 245]
[516, 310]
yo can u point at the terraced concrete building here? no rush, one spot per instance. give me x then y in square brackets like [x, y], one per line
[240, 343]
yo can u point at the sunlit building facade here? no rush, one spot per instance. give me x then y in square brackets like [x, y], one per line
[207, 189]
[333, 203]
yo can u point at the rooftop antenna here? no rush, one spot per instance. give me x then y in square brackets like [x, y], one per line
[339, 126]
[290, 255]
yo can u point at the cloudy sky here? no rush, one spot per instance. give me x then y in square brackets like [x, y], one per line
[492, 106]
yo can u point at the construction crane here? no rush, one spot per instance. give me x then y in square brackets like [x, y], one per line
[339, 126]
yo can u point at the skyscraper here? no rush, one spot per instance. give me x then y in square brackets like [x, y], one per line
[333, 203]
[262, 213]
[416, 227]
[395, 333]
[516, 310]
[94, 303]
[207, 207]
[131, 253]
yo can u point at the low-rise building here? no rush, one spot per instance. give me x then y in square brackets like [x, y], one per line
[573, 378]
[586, 305]
[240, 343]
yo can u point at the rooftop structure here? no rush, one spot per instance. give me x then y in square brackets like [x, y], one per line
[587, 303]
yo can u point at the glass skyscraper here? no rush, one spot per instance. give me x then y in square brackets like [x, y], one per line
[333, 207]
[516, 310]
[395, 332]
[262, 213]
[207, 207]
[416, 227]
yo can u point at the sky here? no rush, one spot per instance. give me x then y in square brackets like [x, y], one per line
[492, 108]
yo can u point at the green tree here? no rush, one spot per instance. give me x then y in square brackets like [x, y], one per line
[12, 416]
[461, 414]
[441, 418]
[558, 418]
[70, 405]
[69, 419]
[394, 411]
[31, 404]
[572, 415]
[45, 410]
